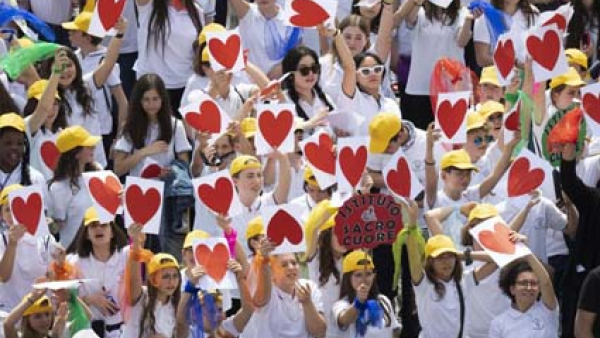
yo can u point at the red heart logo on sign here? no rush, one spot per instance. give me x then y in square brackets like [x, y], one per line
[321, 154]
[451, 116]
[275, 129]
[353, 164]
[591, 105]
[512, 121]
[106, 192]
[28, 213]
[151, 171]
[50, 154]
[226, 53]
[142, 206]
[284, 226]
[557, 19]
[521, 180]
[208, 118]
[545, 51]
[399, 179]
[504, 57]
[213, 261]
[497, 240]
[109, 12]
[219, 197]
[310, 14]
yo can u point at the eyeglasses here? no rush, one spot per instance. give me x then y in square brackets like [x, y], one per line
[528, 283]
[305, 70]
[366, 71]
[480, 139]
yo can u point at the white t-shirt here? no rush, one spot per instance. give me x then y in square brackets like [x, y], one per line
[69, 204]
[588, 170]
[14, 177]
[163, 159]
[238, 94]
[330, 292]
[53, 12]
[432, 40]
[36, 142]
[366, 106]
[381, 331]
[164, 314]
[537, 322]
[331, 76]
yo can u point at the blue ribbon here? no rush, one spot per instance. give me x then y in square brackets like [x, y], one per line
[369, 313]
[8, 13]
[194, 311]
[278, 46]
[497, 21]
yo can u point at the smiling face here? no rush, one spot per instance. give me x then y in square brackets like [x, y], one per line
[526, 289]
[249, 182]
[6, 215]
[12, 148]
[68, 75]
[477, 143]
[290, 271]
[456, 179]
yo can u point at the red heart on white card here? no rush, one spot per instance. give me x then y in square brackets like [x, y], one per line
[275, 129]
[545, 51]
[451, 116]
[226, 52]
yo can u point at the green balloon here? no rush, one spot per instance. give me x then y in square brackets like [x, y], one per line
[17, 61]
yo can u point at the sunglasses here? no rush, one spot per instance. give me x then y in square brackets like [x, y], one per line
[480, 139]
[366, 71]
[305, 70]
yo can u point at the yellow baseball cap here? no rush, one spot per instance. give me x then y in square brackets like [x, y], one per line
[483, 211]
[570, 78]
[316, 216]
[438, 245]
[211, 27]
[90, 216]
[42, 305]
[577, 57]
[73, 137]
[12, 120]
[458, 159]
[205, 56]
[6, 191]
[249, 126]
[357, 260]
[489, 108]
[255, 227]
[162, 261]
[244, 162]
[475, 121]
[192, 236]
[37, 89]
[309, 177]
[382, 128]
[489, 76]
[81, 22]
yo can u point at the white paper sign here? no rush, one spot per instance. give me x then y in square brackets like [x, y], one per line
[217, 192]
[590, 99]
[225, 51]
[318, 152]
[105, 16]
[213, 255]
[451, 116]
[27, 208]
[492, 235]
[104, 189]
[544, 46]
[283, 226]
[399, 177]
[143, 201]
[351, 162]
[305, 14]
[526, 173]
[275, 128]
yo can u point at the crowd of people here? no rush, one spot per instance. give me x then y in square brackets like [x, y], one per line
[113, 103]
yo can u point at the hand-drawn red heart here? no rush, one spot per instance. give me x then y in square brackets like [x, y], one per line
[28, 213]
[451, 116]
[219, 197]
[151, 171]
[399, 180]
[310, 14]
[513, 121]
[283, 225]
[321, 154]
[591, 105]
[497, 240]
[208, 118]
[142, 206]
[559, 20]
[49, 154]
[213, 261]
[275, 129]
[110, 11]
[504, 57]
[106, 192]
[226, 53]
[353, 163]
[521, 180]
[545, 51]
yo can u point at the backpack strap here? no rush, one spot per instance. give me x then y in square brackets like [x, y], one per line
[461, 299]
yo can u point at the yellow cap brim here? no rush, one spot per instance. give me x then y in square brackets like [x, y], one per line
[249, 134]
[70, 26]
[91, 141]
[463, 166]
[91, 220]
[440, 251]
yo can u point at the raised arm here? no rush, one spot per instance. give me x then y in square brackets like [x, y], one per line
[435, 217]
[383, 44]
[348, 65]
[241, 7]
[282, 189]
[546, 288]
[112, 54]
[431, 173]
[488, 184]
[262, 296]
[46, 102]
[466, 30]
[134, 265]
[415, 259]
[409, 12]
[17, 313]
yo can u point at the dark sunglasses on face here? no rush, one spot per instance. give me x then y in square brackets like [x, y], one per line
[366, 71]
[480, 139]
[305, 70]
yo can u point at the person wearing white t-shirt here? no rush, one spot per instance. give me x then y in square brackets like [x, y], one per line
[313, 194]
[37, 318]
[534, 307]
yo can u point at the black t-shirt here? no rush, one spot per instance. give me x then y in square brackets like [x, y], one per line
[589, 299]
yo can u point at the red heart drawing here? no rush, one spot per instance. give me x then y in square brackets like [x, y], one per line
[106, 192]
[399, 179]
[50, 154]
[219, 197]
[142, 206]
[208, 118]
[283, 225]
[151, 171]
[513, 120]
[353, 163]
[559, 20]
[321, 154]
[521, 180]
[310, 14]
[545, 51]
[28, 213]
[451, 116]
[497, 240]
[226, 53]
[591, 105]
[213, 261]
[109, 12]
[504, 57]
[275, 129]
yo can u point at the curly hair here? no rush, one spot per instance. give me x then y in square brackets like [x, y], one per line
[509, 275]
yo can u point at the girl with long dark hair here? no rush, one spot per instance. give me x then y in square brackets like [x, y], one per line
[584, 28]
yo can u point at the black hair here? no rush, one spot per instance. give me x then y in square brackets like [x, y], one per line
[25, 172]
[375, 22]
